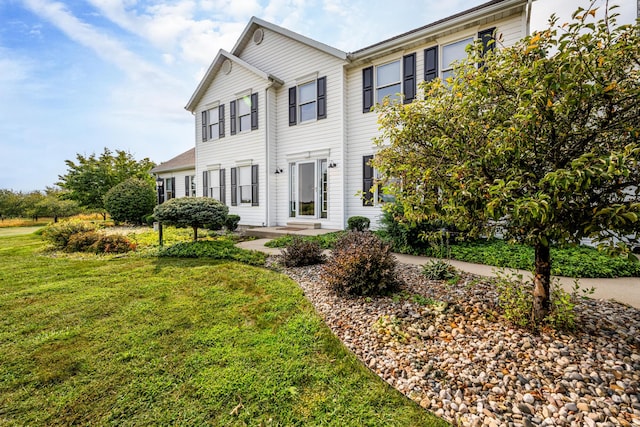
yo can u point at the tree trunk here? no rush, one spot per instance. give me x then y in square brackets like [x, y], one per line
[541, 282]
[195, 234]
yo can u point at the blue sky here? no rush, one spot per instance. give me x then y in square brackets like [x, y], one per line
[80, 75]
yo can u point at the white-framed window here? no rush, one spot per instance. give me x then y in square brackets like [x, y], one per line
[213, 126]
[214, 185]
[190, 186]
[244, 114]
[307, 95]
[451, 53]
[244, 184]
[169, 188]
[388, 81]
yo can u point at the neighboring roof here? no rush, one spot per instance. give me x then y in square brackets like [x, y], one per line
[213, 70]
[505, 7]
[186, 160]
[255, 23]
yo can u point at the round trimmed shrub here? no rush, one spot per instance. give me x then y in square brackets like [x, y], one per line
[301, 252]
[232, 221]
[358, 223]
[130, 201]
[361, 264]
[194, 212]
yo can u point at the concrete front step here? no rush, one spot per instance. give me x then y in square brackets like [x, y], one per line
[275, 232]
[304, 224]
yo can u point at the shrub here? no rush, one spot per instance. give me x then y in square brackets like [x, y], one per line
[112, 243]
[221, 249]
[81, 242]
[130, 201]
[59, 233]
[360, 264]
[194, 212]
[232, 221]
[358, 223]
[438, 270]
[302, 252]
[149, 219]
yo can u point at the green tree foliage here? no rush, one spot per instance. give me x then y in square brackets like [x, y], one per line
[540, 142]
[194, 212]
[131, 200]
[55, 205]
[11, 204]
[89, 178]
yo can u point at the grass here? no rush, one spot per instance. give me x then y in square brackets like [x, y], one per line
[170, 341]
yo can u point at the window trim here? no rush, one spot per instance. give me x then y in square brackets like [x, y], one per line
[314, 101]
[377, 87]
[442, 68]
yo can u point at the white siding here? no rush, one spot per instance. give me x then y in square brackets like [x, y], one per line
[228, 151]
[179, 176]
[292, 62]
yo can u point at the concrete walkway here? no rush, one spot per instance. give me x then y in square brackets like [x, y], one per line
[625, 290]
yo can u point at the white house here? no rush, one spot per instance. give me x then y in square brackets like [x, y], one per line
[283, 123]
[176, 177]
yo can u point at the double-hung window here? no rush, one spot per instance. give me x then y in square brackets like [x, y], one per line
[308, 101]
[244, 113]
[244, 185]
[452, 53]
[389, 80]
[213, 123]
[190, 185]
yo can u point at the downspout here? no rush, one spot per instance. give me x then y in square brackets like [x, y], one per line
[527, 29]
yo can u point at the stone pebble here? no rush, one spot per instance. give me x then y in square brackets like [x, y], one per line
[447, 347]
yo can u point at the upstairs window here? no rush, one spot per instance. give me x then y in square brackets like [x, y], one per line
[389, 80]
[452, 53]
[213, 123]
[244, 114]
[308, 101]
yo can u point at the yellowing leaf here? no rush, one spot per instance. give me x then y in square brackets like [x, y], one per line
[611, 86]
[535, 39]
[459, 94]
[600, 61]
[549, 103]
[592, 12]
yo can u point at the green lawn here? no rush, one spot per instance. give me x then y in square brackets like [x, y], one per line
[169, 341]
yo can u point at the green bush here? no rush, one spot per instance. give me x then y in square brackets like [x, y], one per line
[59, 233]
[194, 212]
[358, 223]
[220, 249]
[112, 244]
[301, 252]
[360, 264]
[438, 270]
[130, 201]
[232, 221]
[81, 242]
[149, 219]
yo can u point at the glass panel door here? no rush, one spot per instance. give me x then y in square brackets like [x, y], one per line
[307, 189]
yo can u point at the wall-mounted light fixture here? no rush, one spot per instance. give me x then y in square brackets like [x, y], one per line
[278, 171]
[332, 164]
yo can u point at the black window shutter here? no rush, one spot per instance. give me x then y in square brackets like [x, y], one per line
[187, 187]
[234, 187]
[293, 106]
[254, 185]
[232, 116]
[487, 38]
[409, 77]
[173, 187]
[367, 89]
[205, 184]
[204, 126]
[254, 111]
[221, 121]
[322, 98]
[430, 63]
[223, 188]
[367, 181]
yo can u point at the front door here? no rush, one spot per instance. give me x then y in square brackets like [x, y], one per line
[307, 189]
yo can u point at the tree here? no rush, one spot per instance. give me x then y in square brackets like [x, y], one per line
[539, 142]
[130, 200]
[194, 212]
[89, 178]
[10, 204]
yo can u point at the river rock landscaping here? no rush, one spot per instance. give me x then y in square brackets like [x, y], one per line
[447, 347]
